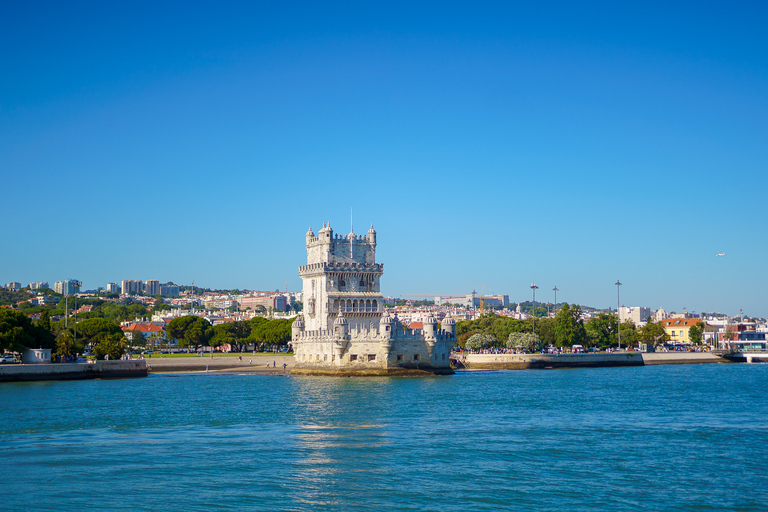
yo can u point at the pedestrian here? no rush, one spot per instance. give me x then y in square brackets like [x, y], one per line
[284, 365]
[241, 359]
[274, 364]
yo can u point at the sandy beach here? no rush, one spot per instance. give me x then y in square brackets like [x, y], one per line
[259, 363]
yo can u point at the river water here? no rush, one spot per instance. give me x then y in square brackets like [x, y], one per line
[688, 437]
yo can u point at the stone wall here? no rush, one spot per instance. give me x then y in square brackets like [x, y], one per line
[73, 371]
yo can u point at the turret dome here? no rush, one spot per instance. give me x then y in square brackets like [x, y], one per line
[340, 319]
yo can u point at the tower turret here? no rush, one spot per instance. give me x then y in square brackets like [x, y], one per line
[297, 327]
[372, 236]
[386, 327]
[449, 326]
[430, 327]
[340, 334]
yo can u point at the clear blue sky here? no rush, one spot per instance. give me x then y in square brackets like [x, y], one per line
[566, 143]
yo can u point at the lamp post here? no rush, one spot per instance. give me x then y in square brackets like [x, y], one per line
[555, 290]
[618, 306]
[534, 288]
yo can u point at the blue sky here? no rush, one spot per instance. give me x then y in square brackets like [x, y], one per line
[566, 143]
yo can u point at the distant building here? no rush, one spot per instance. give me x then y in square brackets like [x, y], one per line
[36, 356]
[678, 328]
[152, 287]
[170, 290]
[68, 287]
[38, 285]
[132, 287]
[113, 288]
[473, 300]
[638, 315]
[274, 303]
[13, 286]
[660, 315]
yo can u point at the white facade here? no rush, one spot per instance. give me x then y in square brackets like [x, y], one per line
[69, 287]
[131, 287]
[343, 325]
[36, 356]
[638, 315]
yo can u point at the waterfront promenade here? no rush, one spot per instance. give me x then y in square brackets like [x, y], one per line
[220, 363]
[590, 360]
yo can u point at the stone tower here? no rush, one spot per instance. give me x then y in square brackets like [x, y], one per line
[344, 328]
[341, 275]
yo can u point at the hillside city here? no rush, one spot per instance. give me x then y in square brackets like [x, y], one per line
[164, 302]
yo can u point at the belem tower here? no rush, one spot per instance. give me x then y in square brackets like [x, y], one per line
[343, 328]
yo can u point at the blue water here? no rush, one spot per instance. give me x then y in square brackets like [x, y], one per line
[691, 437]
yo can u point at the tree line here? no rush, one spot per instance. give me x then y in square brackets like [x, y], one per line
[194, 332]
[564, 330]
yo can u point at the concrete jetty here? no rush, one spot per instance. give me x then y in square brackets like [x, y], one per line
[589, 360]
[73, 371]
[542, 361]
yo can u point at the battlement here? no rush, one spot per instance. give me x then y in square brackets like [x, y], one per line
[339, 266]
[371, 335]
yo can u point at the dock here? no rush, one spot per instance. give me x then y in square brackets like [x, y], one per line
[588, 360]
[73, 371]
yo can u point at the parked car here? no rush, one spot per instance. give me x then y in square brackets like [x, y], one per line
[8, 358]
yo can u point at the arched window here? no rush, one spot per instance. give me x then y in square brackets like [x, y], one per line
[375, 305]
[336, 305]
[368, 305]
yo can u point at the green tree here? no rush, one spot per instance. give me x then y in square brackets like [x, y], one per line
[138, 339]
[696, 333]
[190, 331]
[546, 330]
[112, 344]
[601, 330]
[66, 345]
[652, 333]
[273, 332]
[629, 335]
[479, 341]
[524, 341]
[569, 328]
[234, 333]
[17, 332]
[92, 330]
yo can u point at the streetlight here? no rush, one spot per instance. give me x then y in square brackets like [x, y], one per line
[618, 306]
[534, 288]
[555, 290]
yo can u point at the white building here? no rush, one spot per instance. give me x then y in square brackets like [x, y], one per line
[343, 327]
[638, 315]
[113, 288]
[68, 287]
[131, 287]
